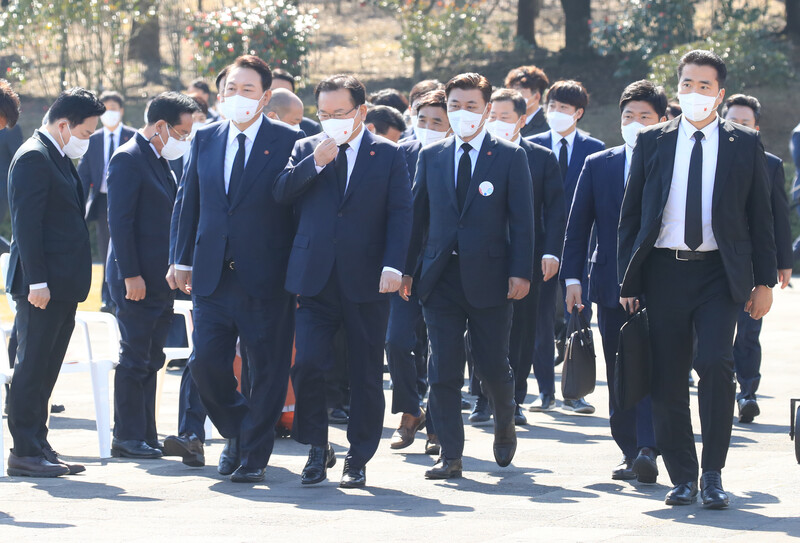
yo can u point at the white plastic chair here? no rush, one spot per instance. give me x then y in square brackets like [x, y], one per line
[5, 379]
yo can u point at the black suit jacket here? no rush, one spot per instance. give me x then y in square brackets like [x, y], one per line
[537, 125]
[494, 233]
[90, 167]
[741, 210]
[780, 212]
[310, 127]
[50, 239]
[141, 195]
[10, 141]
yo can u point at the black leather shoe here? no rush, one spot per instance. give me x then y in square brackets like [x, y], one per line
[465, 404]
[188, 447]
[57, 408]
[337, 416]
[545, 402]
[683, 494]
[481, 412]
[748, 410]
[623, 471]
[645, 466]
[230, 458]
[133, 448]
[714, 497]
[248, 475]
[320, 458]
[353, 477]
[432, 445]
[519, 417]
[445, 469]
[560, 352]
[505, 444]
[52, 457]
[34, 466]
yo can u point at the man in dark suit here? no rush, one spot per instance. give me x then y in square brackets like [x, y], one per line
[474, 230]
[419, 89]
[93, 169]
[506, 122]
[141, 196]
[566, 105]
[746, 111]
[233, 244]
[49, 272]
[385, 121]
[200, 86]
[352, 197]
[597, 202]
[531, 82]
[281, 79]
[695, 235]
[10, 140]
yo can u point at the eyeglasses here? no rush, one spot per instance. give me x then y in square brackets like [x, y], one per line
[326, 116]
[181, 137]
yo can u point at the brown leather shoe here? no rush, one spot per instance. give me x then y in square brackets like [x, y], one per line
[52, 457]
[34, 466]
[409, 425]
[445, 469]
[432, 446]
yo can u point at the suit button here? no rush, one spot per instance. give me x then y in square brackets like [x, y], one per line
[339, 214]
[230, 213]
[460, 226]
[334, 241]
[224, 236]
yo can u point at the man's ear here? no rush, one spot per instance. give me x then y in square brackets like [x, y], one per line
[580, 112]
[371, 127]
[663, 119]
[272, 115]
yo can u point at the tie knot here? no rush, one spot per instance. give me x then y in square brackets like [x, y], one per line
[698, 136]
[344, 147]
[564, 142]
[466, 147]
[241, 137]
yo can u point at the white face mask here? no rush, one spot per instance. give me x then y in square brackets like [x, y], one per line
[559, 122]
[239, 109]
[697, 107]
[629, 133]
[75, 147]
[464, 123]
[426, 136]
[340, 130]
[110, 118]
[174, 148]
[501, 129]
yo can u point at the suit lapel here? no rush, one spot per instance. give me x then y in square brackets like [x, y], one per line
[155, 164]
[217, 145]
[256, 162]
[485, 159]
[65, 166]
[448, 174]
[666, 143]
[616, 166]
[577, 159]
[365, 153]
[725, 155]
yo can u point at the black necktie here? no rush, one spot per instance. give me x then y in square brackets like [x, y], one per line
[110, 147]
[464, 175]
[340, 167]
[238, 167]
[167, 170]
[563, 163]
[693, 233]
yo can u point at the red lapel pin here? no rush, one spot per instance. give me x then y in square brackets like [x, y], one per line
[372, 153]
[266, 152]
[489, 153]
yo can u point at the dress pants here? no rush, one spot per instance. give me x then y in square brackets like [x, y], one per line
[143, 328]
[191, 412]
[632, 429]
[747, 355]
[449, 315]
[103, 236]
[684, 297]
[337, 387]
[43, 337]
[318, 320]
[545, 349]
[265, 328]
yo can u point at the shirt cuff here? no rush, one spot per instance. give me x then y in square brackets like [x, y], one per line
[554, 257]
[387, 268]
[318, 168]
[37, 286]
[570, 282]
[182, 267]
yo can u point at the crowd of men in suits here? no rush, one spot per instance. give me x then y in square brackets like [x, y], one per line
[460, 225]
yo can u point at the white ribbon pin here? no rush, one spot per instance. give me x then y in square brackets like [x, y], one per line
[486, 188]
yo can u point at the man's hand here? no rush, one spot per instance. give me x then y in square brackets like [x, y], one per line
[326, 152]
[549, 268]
[631, 305]
[573, 297]
[784, 276]
[184, 280]
[135, 289]
[405, 287]
[390, 281]
[39, 297]
[760, 302]
[171, 277]
[518, 288]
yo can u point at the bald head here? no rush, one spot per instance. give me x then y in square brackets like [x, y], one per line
[285, 106]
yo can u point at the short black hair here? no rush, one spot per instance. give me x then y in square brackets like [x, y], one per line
[343, 81]
[513, 96]
[201, 84]
[9, 104]
[674, 109]
[254, 63]
[221, 77]
[200, 101]
[528, 77]
[389, 97]
[569, 91]
[645, 91]
[170, 106]
[424, 87]
[743, 100]
[434, 98]
[702, 57]
[384, 118]
[112, 96]
[469, 81]
[283, 75]
[75, 105]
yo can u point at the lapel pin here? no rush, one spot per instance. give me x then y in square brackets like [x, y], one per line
[372, 153]
[486, 188]
[489, 153]
[731, 138]
[266, 151]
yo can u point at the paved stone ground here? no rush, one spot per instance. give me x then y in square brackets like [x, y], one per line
[558, 488]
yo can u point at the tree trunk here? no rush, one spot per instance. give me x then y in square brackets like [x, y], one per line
[145, 41]
[417, 65]
[527, 13]
[576, 28]
[793, 17]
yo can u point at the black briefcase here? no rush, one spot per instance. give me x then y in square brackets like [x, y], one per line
[633, 368]
[580, 373]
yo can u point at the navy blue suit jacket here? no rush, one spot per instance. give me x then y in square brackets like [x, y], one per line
[141, 196]
[597, 201]
[360, 233]
[583, 146]
[494, 233]
[257, 229]
[780, 212]
[90, 167]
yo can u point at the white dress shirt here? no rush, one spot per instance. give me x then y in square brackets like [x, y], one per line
[628, 157]
[116, 134]
[232, 148]
[476, 144]
[673, 221]
[555, 142]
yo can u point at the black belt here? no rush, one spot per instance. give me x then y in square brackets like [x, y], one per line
[229, 265]
[689, 256]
